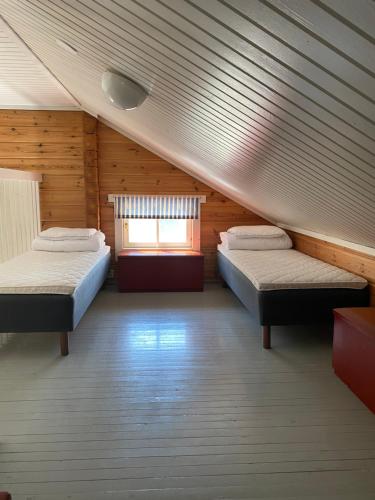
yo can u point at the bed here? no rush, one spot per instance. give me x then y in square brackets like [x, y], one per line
[283, 287]
[50, 291]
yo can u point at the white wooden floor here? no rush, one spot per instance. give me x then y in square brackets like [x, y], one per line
[170, 396]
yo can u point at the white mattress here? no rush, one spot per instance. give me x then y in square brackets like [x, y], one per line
[47, 272]
[286, 269]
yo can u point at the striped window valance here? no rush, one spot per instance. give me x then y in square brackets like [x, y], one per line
[156, 207]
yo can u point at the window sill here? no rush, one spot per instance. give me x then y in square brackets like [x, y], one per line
[133, 252]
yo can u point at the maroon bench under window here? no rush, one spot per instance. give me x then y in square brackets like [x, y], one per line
[160, 271]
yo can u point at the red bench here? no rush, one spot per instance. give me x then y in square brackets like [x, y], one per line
[354, 351]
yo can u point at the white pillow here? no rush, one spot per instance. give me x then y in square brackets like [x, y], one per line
[67, 233]
[230, 242]
[93, 244]
[256, 231]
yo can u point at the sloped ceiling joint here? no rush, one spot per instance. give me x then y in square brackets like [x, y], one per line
[25, 82]
[273, 102]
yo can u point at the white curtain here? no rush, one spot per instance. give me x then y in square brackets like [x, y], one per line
[19, 216]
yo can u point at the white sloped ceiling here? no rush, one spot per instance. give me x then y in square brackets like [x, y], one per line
[24, 81]
[270, 101]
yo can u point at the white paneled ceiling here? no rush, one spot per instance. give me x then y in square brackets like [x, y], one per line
[271, 101]
[24, 81]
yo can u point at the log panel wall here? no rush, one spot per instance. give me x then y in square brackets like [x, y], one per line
[126, 167]
[59, 145]
[351, 260]
[82, 161]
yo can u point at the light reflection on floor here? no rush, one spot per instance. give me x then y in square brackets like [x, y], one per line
[157, 338]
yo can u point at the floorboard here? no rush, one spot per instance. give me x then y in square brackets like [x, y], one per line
[171, 396]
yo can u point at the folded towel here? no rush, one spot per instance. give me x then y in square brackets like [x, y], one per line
[256, 231]
[93, 244]
[67, 233]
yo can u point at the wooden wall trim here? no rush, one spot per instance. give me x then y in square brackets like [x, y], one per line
[90, 165]
[345, 258]
[330, 239]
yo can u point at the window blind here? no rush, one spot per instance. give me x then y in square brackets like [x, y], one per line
[156, 207]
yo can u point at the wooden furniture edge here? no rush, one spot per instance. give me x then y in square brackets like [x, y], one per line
[64, 343]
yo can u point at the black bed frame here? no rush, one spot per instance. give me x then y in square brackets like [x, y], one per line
[38, 313]
[47, 312]
[288, 307]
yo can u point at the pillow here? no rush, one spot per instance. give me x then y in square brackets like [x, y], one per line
[93, 244]
[67, 233]
[256, 231]
[224, 238]
[230, 242]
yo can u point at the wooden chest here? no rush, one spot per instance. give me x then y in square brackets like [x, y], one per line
[160, 271]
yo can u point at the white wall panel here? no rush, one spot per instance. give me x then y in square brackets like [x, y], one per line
[19, 216]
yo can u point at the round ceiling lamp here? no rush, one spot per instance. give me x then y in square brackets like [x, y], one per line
[122, 92]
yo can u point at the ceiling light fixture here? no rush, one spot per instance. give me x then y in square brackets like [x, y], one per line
[66, 46]
[122, 92]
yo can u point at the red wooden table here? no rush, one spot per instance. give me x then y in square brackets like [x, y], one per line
[160, 271]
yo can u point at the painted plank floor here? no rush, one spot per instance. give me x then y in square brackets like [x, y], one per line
[170, 396]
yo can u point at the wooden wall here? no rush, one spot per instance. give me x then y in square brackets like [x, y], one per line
[351, 260]
[82, 161]
[126, 167]
[62, 146]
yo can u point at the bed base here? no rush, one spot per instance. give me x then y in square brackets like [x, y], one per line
[52, 312]
[288, 307]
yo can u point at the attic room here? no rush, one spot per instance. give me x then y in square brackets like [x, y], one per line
[187, 250]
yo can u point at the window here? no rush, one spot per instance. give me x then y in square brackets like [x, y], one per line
[157, 233]
[157, 221]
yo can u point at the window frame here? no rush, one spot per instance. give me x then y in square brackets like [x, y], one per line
[188, 245]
